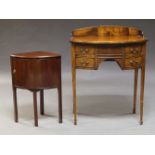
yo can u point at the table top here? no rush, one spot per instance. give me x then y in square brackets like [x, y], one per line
[36, 54]
[108, 40]
[108, 35]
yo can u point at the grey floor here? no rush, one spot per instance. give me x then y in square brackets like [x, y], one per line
[104, 98]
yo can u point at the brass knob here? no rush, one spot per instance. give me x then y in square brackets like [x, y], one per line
[14, 71]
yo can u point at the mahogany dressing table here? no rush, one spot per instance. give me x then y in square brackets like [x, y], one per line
[125, 45]
[36, 71]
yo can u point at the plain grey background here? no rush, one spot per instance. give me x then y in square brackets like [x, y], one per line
[104, 96]
[54, 35]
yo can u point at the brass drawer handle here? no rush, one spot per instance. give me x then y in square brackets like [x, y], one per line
[133, 63]
[83, 50]
[134, 51]
[84, 63]
[86, 49]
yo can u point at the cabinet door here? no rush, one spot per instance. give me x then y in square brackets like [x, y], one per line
[36, 73]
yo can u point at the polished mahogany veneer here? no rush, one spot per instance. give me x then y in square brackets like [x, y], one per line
[125, 45]
[36, 71]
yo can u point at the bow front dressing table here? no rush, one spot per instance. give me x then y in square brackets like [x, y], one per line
[125, 45]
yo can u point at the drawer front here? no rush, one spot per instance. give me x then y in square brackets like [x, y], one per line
[135, 51]
[87, 63]
[85, 51]
[109, 51]
[36, 73]
[132, 63]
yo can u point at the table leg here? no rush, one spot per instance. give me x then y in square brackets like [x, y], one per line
[142, 93]
[42, 102]
[60, 103]
[15, 104]
[135, 89]
[35, 108]
[74, 96]
[59, 88]
[74, 86]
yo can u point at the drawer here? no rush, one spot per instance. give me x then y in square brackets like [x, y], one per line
[109, 51]
[134, 51]
[85, 63]
[85, 51]
[132, 63]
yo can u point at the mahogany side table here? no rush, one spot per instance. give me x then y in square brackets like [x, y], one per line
[36, 71]
[125, 45]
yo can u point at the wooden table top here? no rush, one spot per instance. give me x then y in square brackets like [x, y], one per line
[108, 40]
[108, 35]
[36, 54]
